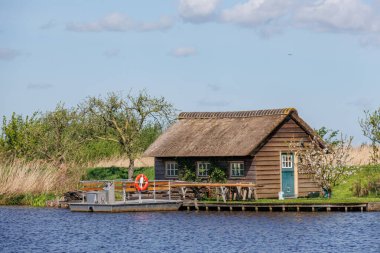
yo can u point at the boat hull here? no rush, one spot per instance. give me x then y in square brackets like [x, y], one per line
[128, 206]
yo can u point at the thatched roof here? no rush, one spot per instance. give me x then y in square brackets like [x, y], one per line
[202, 134]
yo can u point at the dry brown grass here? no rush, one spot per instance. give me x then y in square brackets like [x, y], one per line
[124, 162]
[20, 177]
[361, 155]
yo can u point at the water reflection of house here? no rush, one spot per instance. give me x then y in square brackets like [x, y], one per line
[250, 146]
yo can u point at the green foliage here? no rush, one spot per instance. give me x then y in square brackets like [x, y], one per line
[357, 183]
[130, 121]
[187, 174]
[17, 139]
[112, 173]
[367, 182]
[96, 149]
[147, 171]
[100, 128]
[370, 125]
[27, 199]
[218, 175]
[187, 171]
[328, 135]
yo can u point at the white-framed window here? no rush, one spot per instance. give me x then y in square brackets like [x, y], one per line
[287, 160]
[237, 169]
[171, 169]
[203, 169]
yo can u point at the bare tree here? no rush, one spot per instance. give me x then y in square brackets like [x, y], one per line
[327, 166]
[371, 129]
[123, 120]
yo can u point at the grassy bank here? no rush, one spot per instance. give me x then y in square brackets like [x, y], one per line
[37, 200]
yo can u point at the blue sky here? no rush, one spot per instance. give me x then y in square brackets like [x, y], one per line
[320, 56]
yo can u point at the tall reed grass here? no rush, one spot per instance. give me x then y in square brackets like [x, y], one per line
[20, 177]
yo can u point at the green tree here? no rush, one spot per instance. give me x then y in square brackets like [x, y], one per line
[130, 121]
[328, 135]
[60, 134]
[370, 125]
[17, 139]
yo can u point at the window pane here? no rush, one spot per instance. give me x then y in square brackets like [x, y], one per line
[171, 169]
[287, 161]
[203, 169]
[237, 169]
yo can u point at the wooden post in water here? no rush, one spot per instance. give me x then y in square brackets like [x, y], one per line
[196, 204]
[170, 192]
[154, 190]
[124, 192]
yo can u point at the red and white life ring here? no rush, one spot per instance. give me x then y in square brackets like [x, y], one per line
[141, 182]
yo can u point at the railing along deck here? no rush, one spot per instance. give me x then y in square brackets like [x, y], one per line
[226, 191]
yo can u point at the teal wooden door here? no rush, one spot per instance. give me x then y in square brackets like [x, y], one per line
[287, 174]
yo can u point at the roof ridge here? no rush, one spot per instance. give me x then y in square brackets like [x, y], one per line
[236, 114]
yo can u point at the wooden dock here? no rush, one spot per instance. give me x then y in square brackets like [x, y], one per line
[260, 207]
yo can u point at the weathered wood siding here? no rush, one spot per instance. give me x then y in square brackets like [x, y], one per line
[221, 162]
[267, 162]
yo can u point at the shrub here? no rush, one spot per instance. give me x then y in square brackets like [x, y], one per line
[187, 174]
[111, 173]
[367, 182]
[218, 175]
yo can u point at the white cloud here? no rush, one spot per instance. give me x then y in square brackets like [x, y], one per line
[117, 22]
[339, 15]
[112, 22]
[197, 10]
[8, 54]
[357, 17]
[257, 12]
[183, 51]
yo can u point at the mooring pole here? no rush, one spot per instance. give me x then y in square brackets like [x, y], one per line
[170, 191]
[154, 190]
[124, 192]
[140, 197]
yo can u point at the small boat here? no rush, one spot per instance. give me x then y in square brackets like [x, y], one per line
[99, 196]
[145, 205]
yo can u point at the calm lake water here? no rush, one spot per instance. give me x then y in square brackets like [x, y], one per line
[58, 230]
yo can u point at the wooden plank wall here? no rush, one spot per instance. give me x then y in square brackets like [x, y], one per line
[159, 168]
[267, 162]
[222, 162]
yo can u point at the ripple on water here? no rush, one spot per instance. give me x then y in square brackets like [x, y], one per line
[59, 230]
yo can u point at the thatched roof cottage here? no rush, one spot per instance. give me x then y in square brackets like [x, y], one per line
[250, 146]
